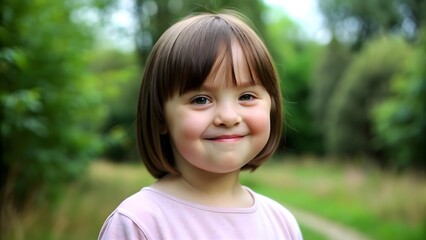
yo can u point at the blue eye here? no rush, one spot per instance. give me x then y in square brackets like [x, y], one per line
[200, 100]
[246, 97]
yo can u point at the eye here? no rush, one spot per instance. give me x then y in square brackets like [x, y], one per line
[200, 100]
[246, 97]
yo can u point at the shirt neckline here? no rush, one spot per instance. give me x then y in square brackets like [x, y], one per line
[186, 203]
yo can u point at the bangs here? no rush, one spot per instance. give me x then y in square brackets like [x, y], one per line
[231, 68]
[203, 47]
[194, 54]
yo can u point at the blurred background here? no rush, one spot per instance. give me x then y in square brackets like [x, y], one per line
[353, 76]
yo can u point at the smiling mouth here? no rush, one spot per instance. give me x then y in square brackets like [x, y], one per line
[226, 138]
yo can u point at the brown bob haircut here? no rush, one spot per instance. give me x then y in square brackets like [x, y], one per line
[180, 61]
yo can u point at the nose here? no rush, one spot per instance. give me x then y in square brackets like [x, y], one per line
[227, 115]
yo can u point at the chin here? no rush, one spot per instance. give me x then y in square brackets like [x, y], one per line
[229, 168]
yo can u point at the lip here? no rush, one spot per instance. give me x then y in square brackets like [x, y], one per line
[226, 138]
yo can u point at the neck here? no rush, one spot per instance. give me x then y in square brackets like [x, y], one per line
[211, 184]
[219, 190]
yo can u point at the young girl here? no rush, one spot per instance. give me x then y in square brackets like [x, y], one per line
[209, 107]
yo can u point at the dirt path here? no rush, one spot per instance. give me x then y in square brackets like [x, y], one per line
[331, 230]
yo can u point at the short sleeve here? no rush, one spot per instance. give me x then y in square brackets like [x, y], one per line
[119, 226]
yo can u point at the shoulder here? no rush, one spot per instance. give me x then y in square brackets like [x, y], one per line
[271, 204]
[133, 217]
[144, 201]
[120, 226]
[145, 208]
[275, 211]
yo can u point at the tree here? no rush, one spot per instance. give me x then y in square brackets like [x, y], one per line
[156, 16]
[357, 21]
[373, 109]
[399, 122]
[49, 109]
[364, 84]
[117, 75]
[326, 77]
[295, 56]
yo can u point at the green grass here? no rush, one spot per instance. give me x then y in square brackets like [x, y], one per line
[309, 234]
[379, 204]
[84, 207]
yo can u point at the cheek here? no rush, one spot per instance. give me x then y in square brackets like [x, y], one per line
[187, 126]
[259, 123]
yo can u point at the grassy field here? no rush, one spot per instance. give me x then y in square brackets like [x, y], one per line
[381, 205]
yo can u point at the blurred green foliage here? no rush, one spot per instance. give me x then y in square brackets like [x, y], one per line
[117, 75]
[328, 71]
[364, 84]
[356, 21]
[400, 120]
[49, 106]
[368, 95]
[295, 58]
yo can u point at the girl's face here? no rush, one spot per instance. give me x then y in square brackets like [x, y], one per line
[220, 127]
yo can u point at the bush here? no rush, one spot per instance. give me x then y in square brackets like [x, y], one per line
[48, 108]
[365, 83]
[400, 121]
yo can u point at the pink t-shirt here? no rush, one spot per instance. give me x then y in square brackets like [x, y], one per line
[153, 214]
